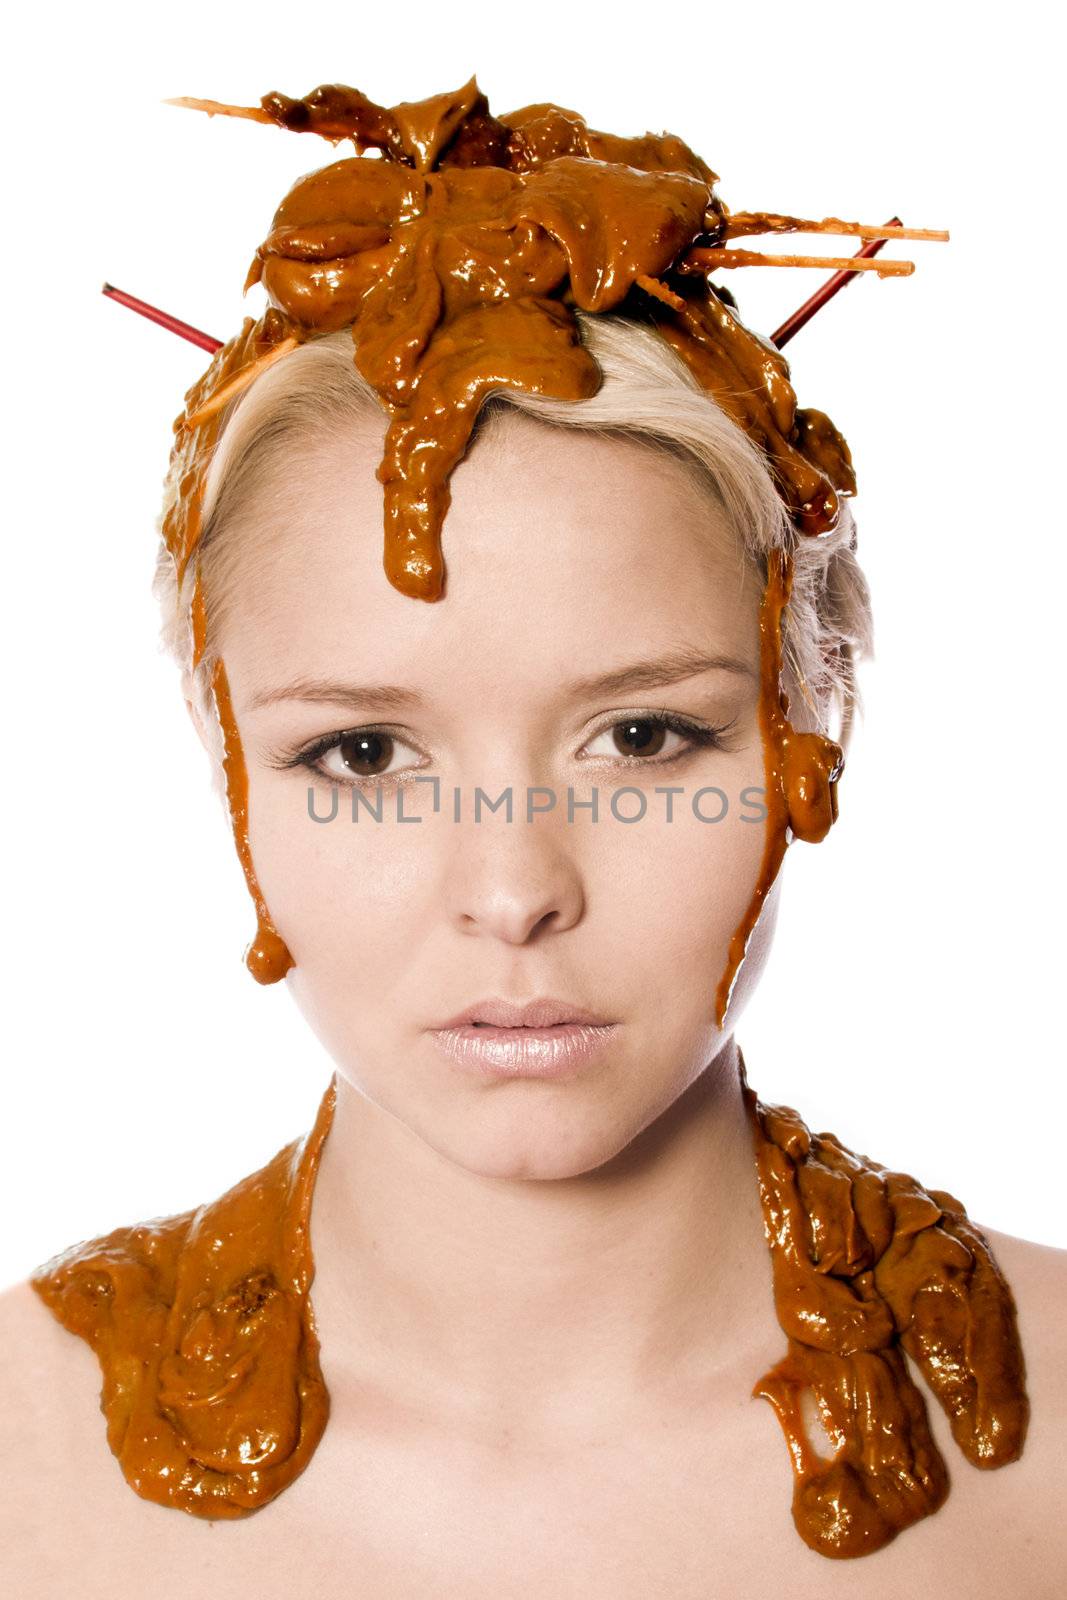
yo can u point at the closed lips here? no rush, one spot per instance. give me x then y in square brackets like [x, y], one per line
[544, 1012]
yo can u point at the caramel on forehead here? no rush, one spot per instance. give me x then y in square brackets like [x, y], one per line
[458, 259]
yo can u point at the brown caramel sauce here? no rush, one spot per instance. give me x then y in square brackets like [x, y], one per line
[457, 259]
[867, 1265]
[203, 1328]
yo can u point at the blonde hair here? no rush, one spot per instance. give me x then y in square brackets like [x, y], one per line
[647, 394]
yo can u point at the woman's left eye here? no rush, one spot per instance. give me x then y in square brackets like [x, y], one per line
[647, 736]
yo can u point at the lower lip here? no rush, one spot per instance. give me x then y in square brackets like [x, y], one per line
[556, 1052]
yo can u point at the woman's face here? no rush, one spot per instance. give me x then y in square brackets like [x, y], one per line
[569, 558]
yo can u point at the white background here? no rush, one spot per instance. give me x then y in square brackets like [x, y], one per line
[914, 1000]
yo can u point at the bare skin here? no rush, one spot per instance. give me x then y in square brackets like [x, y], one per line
[691, 1502]
[542, 1305]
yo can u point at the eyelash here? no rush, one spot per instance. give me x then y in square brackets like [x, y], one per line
[700, 737]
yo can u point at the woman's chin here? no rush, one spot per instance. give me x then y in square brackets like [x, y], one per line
[530, 1131]
[531, 1157]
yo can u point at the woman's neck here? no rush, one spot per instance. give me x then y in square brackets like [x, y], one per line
[543, 1305]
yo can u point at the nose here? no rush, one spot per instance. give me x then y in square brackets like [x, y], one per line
[514, 881]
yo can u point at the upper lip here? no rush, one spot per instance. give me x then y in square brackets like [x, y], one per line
[543, 1012]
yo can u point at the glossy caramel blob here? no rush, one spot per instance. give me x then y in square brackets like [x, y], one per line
[458, 256]
[203, 1329]
[868, 1264]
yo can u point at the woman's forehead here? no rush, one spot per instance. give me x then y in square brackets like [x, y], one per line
[584, 552]
[528, 498]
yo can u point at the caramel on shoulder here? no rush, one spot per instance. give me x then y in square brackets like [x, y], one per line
[867, 1265]
[203, 1328]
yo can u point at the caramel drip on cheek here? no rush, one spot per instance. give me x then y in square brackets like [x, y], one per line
[267, 957]
[800, 771]
[867, 1264]
[203, 1327]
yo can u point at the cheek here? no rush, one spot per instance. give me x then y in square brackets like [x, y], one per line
[678, 890]
[347, 896]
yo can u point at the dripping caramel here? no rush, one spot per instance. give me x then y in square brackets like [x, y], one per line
[867, 1266]
[202, 1324]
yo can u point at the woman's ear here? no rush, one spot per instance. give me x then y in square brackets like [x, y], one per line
[195, 716]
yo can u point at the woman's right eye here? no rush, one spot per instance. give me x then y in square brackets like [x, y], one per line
[364, 755]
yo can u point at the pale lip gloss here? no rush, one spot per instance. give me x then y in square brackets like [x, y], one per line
[560, 1051]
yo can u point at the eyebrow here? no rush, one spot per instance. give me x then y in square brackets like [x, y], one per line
[651, 673]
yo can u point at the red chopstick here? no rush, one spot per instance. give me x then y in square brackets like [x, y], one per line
[165, 320]
[831, 287]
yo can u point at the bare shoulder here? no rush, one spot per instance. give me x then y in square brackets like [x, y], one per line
[1035, 1486]
[1037, 1277]
[49, 1379]
[53, 1442]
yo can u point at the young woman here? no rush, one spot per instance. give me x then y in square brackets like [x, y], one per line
[501, 847]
